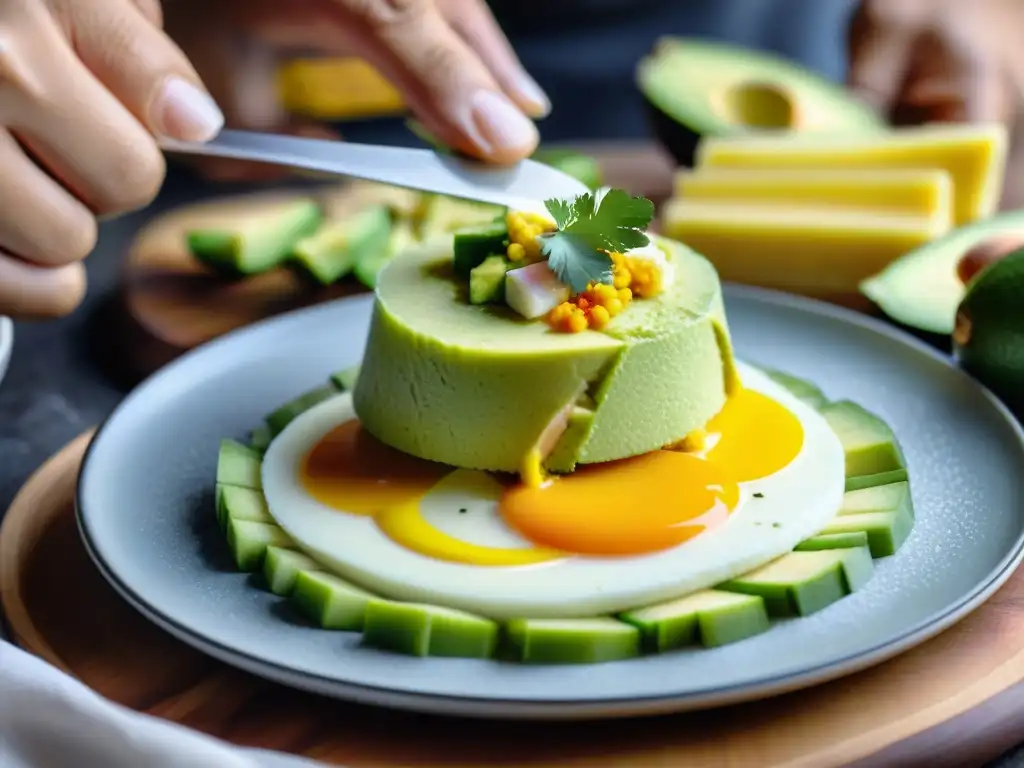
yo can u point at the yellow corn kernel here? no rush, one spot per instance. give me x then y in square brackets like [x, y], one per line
[577, 322]
[625, 295]
[614, 306]
[599, 317]
[515, 251]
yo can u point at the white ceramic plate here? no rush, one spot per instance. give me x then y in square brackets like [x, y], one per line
[6, 344]
[145, 509]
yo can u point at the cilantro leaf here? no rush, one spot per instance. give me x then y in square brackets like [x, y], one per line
[574, 261]
[608, 220]
[560, 210]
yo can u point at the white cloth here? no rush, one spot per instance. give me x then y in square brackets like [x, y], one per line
[50, 720]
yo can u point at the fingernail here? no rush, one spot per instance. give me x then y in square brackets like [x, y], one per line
[529, 90]
[500, 123]
[187, 113]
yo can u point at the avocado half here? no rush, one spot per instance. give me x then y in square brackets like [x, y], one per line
[988, 334]
[921, 289]
[695, 88]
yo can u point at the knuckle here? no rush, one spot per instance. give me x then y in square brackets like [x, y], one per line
[382, 13]
[66, 292]
[136, 173]
[79, 238]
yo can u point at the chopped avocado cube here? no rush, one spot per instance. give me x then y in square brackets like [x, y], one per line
[259, 438]
[803, 582]
[237, 503]
[534, 290]
[281, 568]
[238, 464]
[799, 388]
[428, 630]
[283, 416]
[471, 245]
[885, 513]
[258, 245]
[572, 641]
[370, 264]
[711, 617]
[583, 167]
[857, 482]
[332, 252]
[487, 281]
[833, 541]
[345, 380]
[248, 541]
[331, 602]
[868, 442]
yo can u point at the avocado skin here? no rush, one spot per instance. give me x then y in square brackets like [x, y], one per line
[680, 142]
[988, 341]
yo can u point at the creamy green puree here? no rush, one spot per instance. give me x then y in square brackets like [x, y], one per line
[474, 386]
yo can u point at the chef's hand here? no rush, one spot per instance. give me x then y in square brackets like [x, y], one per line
[448, 58]
[85, 85]
[923, 61]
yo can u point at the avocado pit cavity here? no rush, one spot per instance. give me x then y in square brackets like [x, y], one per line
[760, 105]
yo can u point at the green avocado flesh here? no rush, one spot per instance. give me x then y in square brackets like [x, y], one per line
[921, 289]
[988, 341]
[442, 377]
[803, 582]
[696, 88]
[332, 252]
[258, 245]
[874, 520]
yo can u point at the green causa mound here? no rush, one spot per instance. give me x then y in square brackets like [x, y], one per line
[474, 385]
[874, 520]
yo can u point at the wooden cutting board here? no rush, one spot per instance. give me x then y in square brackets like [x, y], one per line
[956, 700]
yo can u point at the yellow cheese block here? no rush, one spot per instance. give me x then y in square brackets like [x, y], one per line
[336, 89]
[814, 251]
[924, 192]
[973, 155]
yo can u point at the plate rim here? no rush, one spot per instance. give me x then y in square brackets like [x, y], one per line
[594, 708]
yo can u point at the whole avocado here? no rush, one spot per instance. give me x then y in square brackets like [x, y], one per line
[988, 338]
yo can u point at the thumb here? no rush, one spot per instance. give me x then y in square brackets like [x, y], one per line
[443, 80]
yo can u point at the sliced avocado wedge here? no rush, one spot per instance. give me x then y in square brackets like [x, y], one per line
[804, 582]
[572, 641]
[281, 417]
[332, 252]
[885, 513]
[868, 442]
[248, 541]
[694, 88]
[856, 482]
[988, 339]
[711, 617]
[238, 464]
[367, 268]
[258, 245]
[345, 379]
[281, 568]
[417, 629]
[921, 290]
[471, 245]
[330, 602]
[237, 503]
[833, 541]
